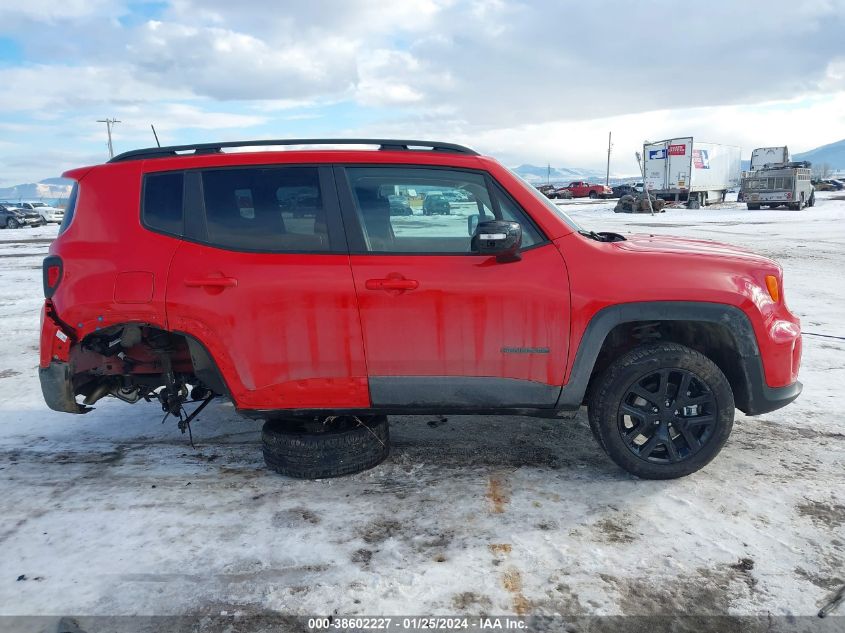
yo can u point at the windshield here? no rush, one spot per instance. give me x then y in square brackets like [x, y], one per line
[548, 203]
[37, 204]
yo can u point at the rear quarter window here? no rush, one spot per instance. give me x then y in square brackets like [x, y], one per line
[71, 208]
[161, 208]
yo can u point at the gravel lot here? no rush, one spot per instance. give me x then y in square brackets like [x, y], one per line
[113, 513]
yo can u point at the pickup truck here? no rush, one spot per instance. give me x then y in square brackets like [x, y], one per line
[582, 189]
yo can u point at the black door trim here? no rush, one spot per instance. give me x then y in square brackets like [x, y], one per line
[461, 392]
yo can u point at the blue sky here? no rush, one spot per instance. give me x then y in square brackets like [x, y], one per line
[531, 82]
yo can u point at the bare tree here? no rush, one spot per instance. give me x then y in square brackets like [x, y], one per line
[821, 170]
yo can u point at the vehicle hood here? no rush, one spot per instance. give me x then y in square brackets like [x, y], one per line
[687, 246]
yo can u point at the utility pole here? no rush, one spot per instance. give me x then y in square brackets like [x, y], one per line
[548, 173]
[641, 165]
[109, 123]
[607, 173]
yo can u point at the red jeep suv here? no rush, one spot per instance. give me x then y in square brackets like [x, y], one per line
[281, 281]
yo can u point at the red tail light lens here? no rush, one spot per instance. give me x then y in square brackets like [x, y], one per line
[52, 273]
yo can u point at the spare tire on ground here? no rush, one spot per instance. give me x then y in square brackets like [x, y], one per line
[310, 448]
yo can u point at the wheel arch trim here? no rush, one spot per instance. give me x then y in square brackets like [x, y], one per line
[761, 398]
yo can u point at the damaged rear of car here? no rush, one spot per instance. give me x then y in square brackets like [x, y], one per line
[103, 324]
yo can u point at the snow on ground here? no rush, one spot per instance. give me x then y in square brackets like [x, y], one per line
[114, 513]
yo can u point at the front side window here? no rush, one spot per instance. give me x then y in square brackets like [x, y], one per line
[418, 210]
[274, 209]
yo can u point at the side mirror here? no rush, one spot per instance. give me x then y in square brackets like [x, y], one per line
[499, 238]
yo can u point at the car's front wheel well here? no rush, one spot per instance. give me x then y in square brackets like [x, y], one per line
[714, 340]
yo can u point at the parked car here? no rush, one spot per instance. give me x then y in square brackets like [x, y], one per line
[837, 185]
[399, 205]
[626, 189]
[545, 189]
[822, 185]
[13, 217]
[48, 213]
[456, 196]
[326, 328]
[582, 189]
[436, 204]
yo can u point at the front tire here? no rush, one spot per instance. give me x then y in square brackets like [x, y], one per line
[593, 195]
[662, 411]
[13, 224]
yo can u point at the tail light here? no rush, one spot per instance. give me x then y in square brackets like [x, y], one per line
[52, 271]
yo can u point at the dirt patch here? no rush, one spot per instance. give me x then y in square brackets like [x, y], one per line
[500, 549]
[743, 564]
[615, 530]
[708, 591]
[465, 455]
[108, 457]
[362, 556]
[828, 515]
[497, 494]
[8, 373]
[295, 517]
[433, 540]
[463, 601]
[380, 530]
[512, 582]
[828, 583]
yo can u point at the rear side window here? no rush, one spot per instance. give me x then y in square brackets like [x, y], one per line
[269, 209]
[162, 206]
[71, 208]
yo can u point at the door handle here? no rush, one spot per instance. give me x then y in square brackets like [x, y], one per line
[392, 283]
[212, 282]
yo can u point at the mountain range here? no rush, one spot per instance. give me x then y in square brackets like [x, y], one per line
[832, 154]
[47, 189]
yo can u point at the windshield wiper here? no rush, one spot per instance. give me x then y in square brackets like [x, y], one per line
[603, 236]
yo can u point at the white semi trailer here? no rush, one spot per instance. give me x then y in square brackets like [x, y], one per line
[681, 169]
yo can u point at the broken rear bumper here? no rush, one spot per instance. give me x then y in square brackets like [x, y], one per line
[57, 388]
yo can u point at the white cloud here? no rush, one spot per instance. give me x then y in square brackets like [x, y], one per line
[53, 10]
[387, 78]
[228, 65]
[523, 80]
[48, 88]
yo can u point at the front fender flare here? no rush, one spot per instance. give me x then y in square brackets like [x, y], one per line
[760, 398]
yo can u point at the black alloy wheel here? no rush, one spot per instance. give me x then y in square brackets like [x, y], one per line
[667, 416]
[661, 411]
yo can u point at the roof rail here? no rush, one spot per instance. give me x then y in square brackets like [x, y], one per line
[214, 148]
